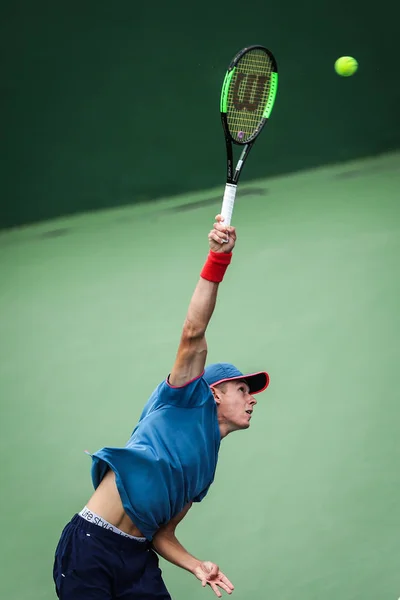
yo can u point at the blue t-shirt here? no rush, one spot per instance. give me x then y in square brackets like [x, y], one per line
[170, 458]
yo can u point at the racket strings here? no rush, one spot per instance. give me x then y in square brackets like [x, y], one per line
[248, 94]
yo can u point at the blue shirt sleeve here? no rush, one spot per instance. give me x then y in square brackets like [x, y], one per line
[193, 394]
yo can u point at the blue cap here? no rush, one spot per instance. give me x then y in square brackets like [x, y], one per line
[220, 372]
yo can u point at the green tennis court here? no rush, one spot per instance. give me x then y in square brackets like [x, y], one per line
[305, 503]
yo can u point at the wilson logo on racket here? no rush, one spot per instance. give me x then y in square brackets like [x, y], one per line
[246, 103]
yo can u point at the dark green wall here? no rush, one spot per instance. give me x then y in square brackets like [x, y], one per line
[95, 95]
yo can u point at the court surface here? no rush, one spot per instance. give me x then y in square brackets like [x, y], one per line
[305, 503]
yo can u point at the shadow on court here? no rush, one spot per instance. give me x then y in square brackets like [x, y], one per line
[304, 504]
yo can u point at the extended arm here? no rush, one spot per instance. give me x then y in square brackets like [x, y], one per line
[168, 546]
[192, 351]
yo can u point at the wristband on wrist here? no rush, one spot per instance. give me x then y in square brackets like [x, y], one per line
[215, 266]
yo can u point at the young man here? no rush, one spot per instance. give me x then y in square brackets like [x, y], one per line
[144, 490]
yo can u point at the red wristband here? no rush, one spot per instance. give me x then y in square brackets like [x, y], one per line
[215, 266]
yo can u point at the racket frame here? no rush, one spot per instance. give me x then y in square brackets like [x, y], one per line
[233, 175]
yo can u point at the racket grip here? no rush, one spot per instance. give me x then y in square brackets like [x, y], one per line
[228, 202]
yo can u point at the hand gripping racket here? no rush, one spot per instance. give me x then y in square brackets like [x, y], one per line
[247, 98]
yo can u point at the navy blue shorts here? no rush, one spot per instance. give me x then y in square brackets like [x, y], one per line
[92, 563]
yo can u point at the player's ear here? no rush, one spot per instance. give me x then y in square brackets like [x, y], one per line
[217, 394]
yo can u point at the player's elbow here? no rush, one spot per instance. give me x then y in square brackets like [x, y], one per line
[164, 532]
[193, 332]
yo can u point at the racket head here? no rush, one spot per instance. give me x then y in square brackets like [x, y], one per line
[248, 94]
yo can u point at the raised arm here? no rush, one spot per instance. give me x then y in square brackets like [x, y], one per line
[192, 351]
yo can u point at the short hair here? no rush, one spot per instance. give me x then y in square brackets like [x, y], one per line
[222, 386]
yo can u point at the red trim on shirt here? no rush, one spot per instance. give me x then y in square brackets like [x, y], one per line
[179, 387]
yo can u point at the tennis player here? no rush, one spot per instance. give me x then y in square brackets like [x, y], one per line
[142, 491]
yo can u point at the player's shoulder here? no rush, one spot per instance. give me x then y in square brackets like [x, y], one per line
[152, 402]
[195, 393]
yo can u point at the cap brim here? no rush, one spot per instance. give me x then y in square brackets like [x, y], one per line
[257, 382]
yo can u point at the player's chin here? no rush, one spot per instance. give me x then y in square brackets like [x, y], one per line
[240, 424]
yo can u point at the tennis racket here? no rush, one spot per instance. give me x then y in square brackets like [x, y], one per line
[247, 99]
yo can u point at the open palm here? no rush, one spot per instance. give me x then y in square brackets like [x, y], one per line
[209, 574]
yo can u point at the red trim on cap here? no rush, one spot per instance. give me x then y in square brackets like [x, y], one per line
[179, 387]
[243, 378]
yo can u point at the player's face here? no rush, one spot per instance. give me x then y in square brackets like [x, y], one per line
[235, 405]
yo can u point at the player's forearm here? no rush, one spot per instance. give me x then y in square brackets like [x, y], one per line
[204, 297]
[201, 307]
[168, 546]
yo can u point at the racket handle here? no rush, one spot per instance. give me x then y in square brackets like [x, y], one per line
[228, 202]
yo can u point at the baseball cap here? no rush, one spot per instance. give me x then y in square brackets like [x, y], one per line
[220, 372]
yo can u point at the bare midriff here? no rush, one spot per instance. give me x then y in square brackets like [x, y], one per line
[106, 502]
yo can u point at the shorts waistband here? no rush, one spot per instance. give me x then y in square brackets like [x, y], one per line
[93, 517]
[117, 540]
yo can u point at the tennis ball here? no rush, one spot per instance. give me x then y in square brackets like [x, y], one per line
[346, 66]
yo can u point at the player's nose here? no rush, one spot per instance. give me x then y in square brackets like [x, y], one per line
[252, 400]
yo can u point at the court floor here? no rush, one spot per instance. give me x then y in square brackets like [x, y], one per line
[305, 503]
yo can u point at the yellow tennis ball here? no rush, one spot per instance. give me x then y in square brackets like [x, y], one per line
[346, 66]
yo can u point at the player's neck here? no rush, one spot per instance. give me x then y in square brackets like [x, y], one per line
[226, 428]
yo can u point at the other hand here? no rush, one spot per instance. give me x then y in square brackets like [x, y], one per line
[209, 574]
